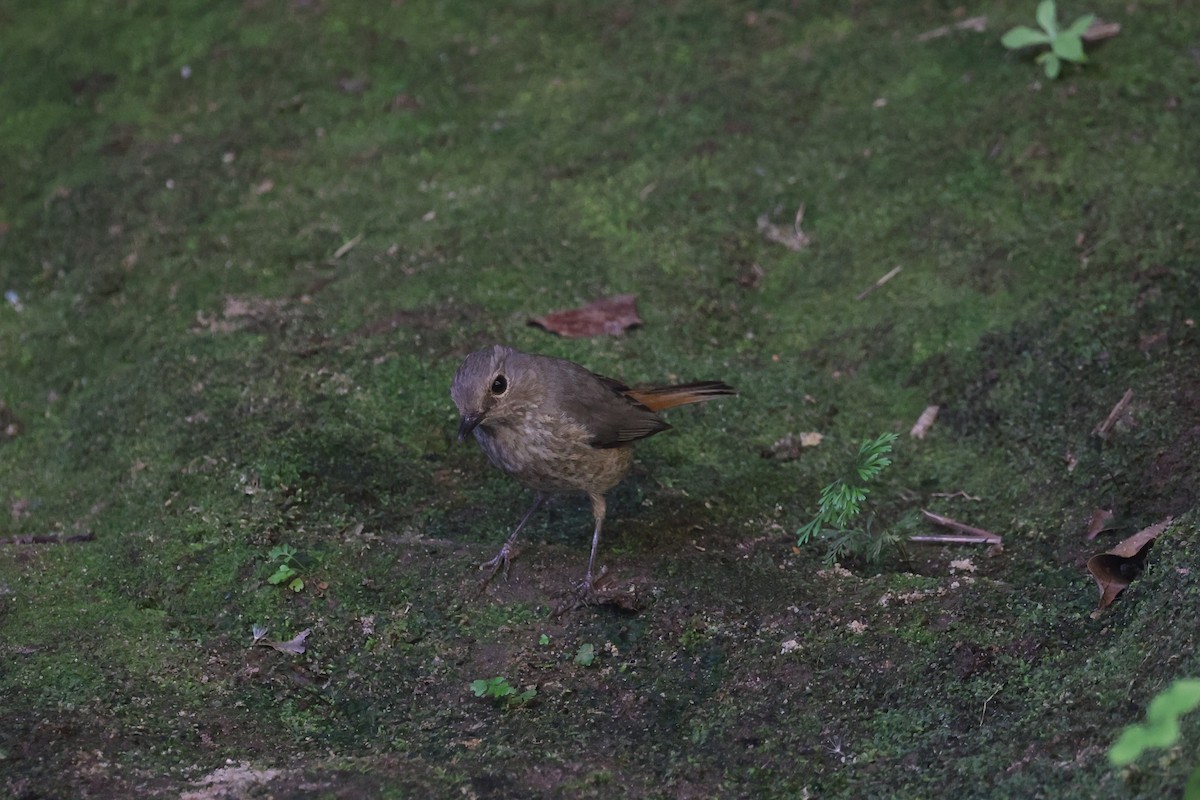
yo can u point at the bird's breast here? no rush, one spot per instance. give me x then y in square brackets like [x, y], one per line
[552, 453]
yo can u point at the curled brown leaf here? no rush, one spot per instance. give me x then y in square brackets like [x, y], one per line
[1117, 568]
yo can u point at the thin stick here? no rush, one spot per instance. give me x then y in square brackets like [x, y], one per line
[347, 247]
[924, 422]
[977, 24]
[959, 493]
[1104, 427]
[947, 539]
[979, 533]
[878, 283]
[985, 704]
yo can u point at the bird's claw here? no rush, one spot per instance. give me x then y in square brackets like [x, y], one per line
[587, 588]
[500, 562]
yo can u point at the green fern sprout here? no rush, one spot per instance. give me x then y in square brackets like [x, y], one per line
[842, 502]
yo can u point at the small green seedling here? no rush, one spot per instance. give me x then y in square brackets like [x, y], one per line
[1066, 44]
[503, 693]
[585, 655]
[842, 502]
[544, 639]
[290, 566]
[1161, 729]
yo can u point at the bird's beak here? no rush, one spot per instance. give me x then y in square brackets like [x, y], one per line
[469, 423]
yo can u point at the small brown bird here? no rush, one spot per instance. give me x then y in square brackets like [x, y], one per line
[558, 427]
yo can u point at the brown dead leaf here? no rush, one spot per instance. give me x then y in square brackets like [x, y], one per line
[1116, 568]
[1101, 521]
[610, 316]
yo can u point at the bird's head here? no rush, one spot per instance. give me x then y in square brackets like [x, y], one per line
[492, 386]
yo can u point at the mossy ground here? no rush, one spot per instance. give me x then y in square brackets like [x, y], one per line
[196, 374]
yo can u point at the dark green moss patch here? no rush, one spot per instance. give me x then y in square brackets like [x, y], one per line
[245, 247]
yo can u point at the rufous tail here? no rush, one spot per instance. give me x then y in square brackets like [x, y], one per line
[656, 398]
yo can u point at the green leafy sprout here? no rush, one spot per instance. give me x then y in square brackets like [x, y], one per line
[842, 502]
[502, 692]
[585, 655]
[1161, 729]
[289, 567]
[1066, 44]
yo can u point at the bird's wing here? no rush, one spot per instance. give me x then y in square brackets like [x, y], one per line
[601, 406]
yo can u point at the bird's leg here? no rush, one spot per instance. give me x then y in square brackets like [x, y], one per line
[598, 509]
[501, 559]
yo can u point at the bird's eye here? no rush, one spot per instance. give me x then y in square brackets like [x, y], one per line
[500, 385]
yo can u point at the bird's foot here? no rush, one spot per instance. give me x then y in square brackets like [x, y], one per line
[587, 588]
[500, 562]
[598, 592]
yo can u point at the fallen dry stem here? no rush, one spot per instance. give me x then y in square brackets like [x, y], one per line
[347, 247]
[974, 535]
[977, 24]
[924, 422]
[951, 539]
[893, 273]
[1104, 427]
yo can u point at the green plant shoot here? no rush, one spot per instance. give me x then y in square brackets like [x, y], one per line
[502, 692]
[585, 655]
[1161, 729]
[1065, 44]
[288, 570]
[842, 502]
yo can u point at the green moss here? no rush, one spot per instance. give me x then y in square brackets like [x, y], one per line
[194, 379]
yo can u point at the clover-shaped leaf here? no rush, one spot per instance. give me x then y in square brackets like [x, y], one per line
[1047, 17]
[1023, 36]
[1161, 728]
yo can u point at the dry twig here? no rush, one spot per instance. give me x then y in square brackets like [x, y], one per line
[347, 247]
[1105, 427]
[924, 422]
[895, 271]
[973, 535]
[977, 24]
